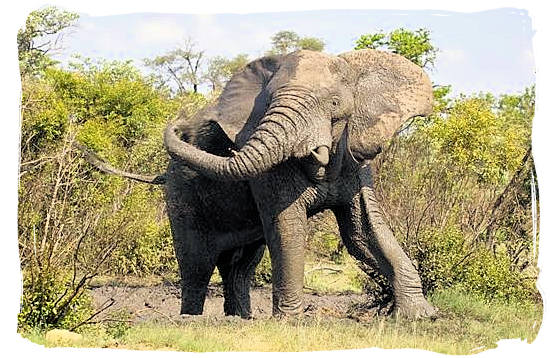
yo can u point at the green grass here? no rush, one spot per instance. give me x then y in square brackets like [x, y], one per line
[466, 324]
[325, 276]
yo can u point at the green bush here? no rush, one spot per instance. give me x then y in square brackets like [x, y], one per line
[445, 259]
[439, 256]
[46, 302]
[118, 323]
[150, 252]
[327, 245]
[490, 275]
[456, 192]
[323, 239]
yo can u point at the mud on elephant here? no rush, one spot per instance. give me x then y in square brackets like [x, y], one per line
[288, 137]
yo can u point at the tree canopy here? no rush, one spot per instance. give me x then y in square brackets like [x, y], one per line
[284, 42]
[220, 69]
[414, 45]
[42, 35]
[180, 66]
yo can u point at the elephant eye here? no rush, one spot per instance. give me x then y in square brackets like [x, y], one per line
[335, 101]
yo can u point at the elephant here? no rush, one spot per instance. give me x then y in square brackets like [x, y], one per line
[288, 137]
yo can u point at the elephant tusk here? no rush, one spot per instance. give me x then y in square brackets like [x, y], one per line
[321, 154]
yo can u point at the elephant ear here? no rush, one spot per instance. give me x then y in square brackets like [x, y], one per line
[244, 99]
[389, 90]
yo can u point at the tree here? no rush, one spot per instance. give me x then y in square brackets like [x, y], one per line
[43, 34]
[220, 69]
[285, 42]
[414, 45]
[180, 67]
[311, 43]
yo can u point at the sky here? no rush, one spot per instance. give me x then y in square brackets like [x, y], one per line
[481, 51]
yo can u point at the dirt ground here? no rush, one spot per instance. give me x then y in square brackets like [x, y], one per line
[162, 303]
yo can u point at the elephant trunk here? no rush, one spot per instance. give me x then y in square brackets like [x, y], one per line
[276, 138]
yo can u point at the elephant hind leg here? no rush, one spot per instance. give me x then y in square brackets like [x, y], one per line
[195, 276]
[237, 268]
[196, 261]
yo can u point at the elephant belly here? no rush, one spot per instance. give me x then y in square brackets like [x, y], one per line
[221, 212]
[227, 206]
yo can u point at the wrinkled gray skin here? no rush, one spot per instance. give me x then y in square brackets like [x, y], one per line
[290, 136]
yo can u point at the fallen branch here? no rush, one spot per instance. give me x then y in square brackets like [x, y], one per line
[88, 320]
[324, 269]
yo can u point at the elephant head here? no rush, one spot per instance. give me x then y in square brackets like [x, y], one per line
[298, 106]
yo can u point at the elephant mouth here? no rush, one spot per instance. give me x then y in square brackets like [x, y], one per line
[363, 156]
[362, 152]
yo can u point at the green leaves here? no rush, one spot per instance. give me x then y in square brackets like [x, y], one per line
[483, 135]
[284, 42]
[311, 43]
[179, 67]
[71, 218]
[220, 70]
[109, 99]
[413, 45]
[45, 296]
[372, 41]
[42, 34]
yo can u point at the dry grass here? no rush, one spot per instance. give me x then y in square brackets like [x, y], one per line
[465, 324]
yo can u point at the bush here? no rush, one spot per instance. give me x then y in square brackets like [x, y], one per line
[323, 239]
[490, 275]
[446, 260]
[72, 219]
[47, 302]
[440, 256]
[457, 192]
[150, 252]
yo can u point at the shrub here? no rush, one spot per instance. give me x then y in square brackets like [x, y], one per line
[457, 190]
[47, 302]
[323, 239]
[150, 252]
[445, 259]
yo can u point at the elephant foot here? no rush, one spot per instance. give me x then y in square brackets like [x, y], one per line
[414, 308]
[287, 309]
[241, 314]
[278, 313]
[191, 308]
[192, 311]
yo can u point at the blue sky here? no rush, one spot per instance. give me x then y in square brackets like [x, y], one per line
[482, 51]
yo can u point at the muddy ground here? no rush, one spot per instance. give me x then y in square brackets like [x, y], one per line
[162, 303]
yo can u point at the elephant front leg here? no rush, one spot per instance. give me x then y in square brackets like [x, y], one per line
[369, 239]
[285, 234]
[285, 238]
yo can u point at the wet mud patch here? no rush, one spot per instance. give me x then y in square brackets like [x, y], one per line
[161, 303]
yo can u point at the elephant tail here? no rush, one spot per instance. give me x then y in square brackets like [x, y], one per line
[105, 167]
